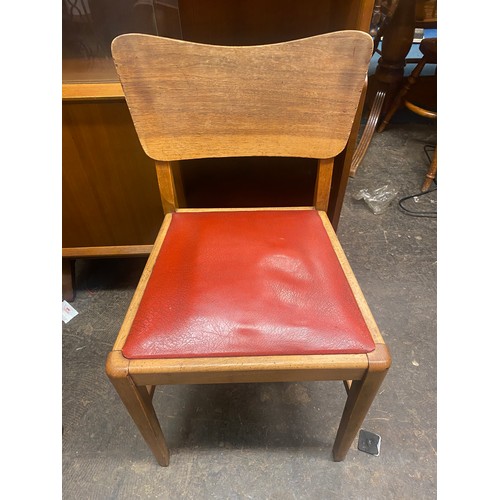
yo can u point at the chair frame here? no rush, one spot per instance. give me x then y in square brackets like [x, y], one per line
[135, 379]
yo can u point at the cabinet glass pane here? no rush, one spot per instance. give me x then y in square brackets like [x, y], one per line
[89, 26]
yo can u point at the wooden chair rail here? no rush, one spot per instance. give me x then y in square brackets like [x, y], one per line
[108, 251]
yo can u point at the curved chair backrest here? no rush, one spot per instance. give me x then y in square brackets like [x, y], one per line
[190, 100]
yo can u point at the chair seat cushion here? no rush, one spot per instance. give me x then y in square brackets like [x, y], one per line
[247, 283]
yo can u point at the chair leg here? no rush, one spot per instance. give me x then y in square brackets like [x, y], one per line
[431, 173]
[403, 91]
[360, 397]
[138, 401]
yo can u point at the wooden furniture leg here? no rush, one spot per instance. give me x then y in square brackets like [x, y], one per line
[412, 79]
[431, 173]
[368, 132]
[138, 401]
[361, 394]
[397, 41]
[68, 279]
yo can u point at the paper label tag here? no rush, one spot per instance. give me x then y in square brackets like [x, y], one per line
[68, 312]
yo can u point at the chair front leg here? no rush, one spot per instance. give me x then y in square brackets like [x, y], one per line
[360, 397]
[138, 401]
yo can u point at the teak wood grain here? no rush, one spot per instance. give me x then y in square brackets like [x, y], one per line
[93, 91]
[323, 184]
[353, 282]
[190, 100]
[110, 194]
[136, 299]
[109, 251]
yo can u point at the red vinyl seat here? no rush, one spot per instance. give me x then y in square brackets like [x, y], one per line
[247, 283]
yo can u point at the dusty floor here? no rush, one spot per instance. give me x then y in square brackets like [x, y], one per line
[273, 441]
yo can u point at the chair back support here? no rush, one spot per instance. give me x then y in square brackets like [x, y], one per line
[190, 100]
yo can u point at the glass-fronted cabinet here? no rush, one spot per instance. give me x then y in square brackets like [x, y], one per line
[89, 26]
[110, 199]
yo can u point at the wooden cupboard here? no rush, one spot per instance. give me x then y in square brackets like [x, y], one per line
[110, 200]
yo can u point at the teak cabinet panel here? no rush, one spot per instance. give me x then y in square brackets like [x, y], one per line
[110, 194]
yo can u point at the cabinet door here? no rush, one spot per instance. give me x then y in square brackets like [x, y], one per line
[110, 193]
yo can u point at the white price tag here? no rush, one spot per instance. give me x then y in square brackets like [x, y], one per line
[68, 312]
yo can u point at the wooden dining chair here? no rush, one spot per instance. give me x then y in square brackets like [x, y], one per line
[245, 294]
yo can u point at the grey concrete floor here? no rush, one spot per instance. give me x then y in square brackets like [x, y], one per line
[273, 441]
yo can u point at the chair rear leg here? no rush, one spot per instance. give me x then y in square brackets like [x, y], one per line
[412, 79]
[431, 173]
[360, 397]
[138, 401]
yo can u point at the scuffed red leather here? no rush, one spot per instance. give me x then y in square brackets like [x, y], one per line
[247, 283]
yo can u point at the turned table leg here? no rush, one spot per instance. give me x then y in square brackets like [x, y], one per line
[397, 41]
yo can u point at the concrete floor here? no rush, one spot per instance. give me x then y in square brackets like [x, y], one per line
[273, 441]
